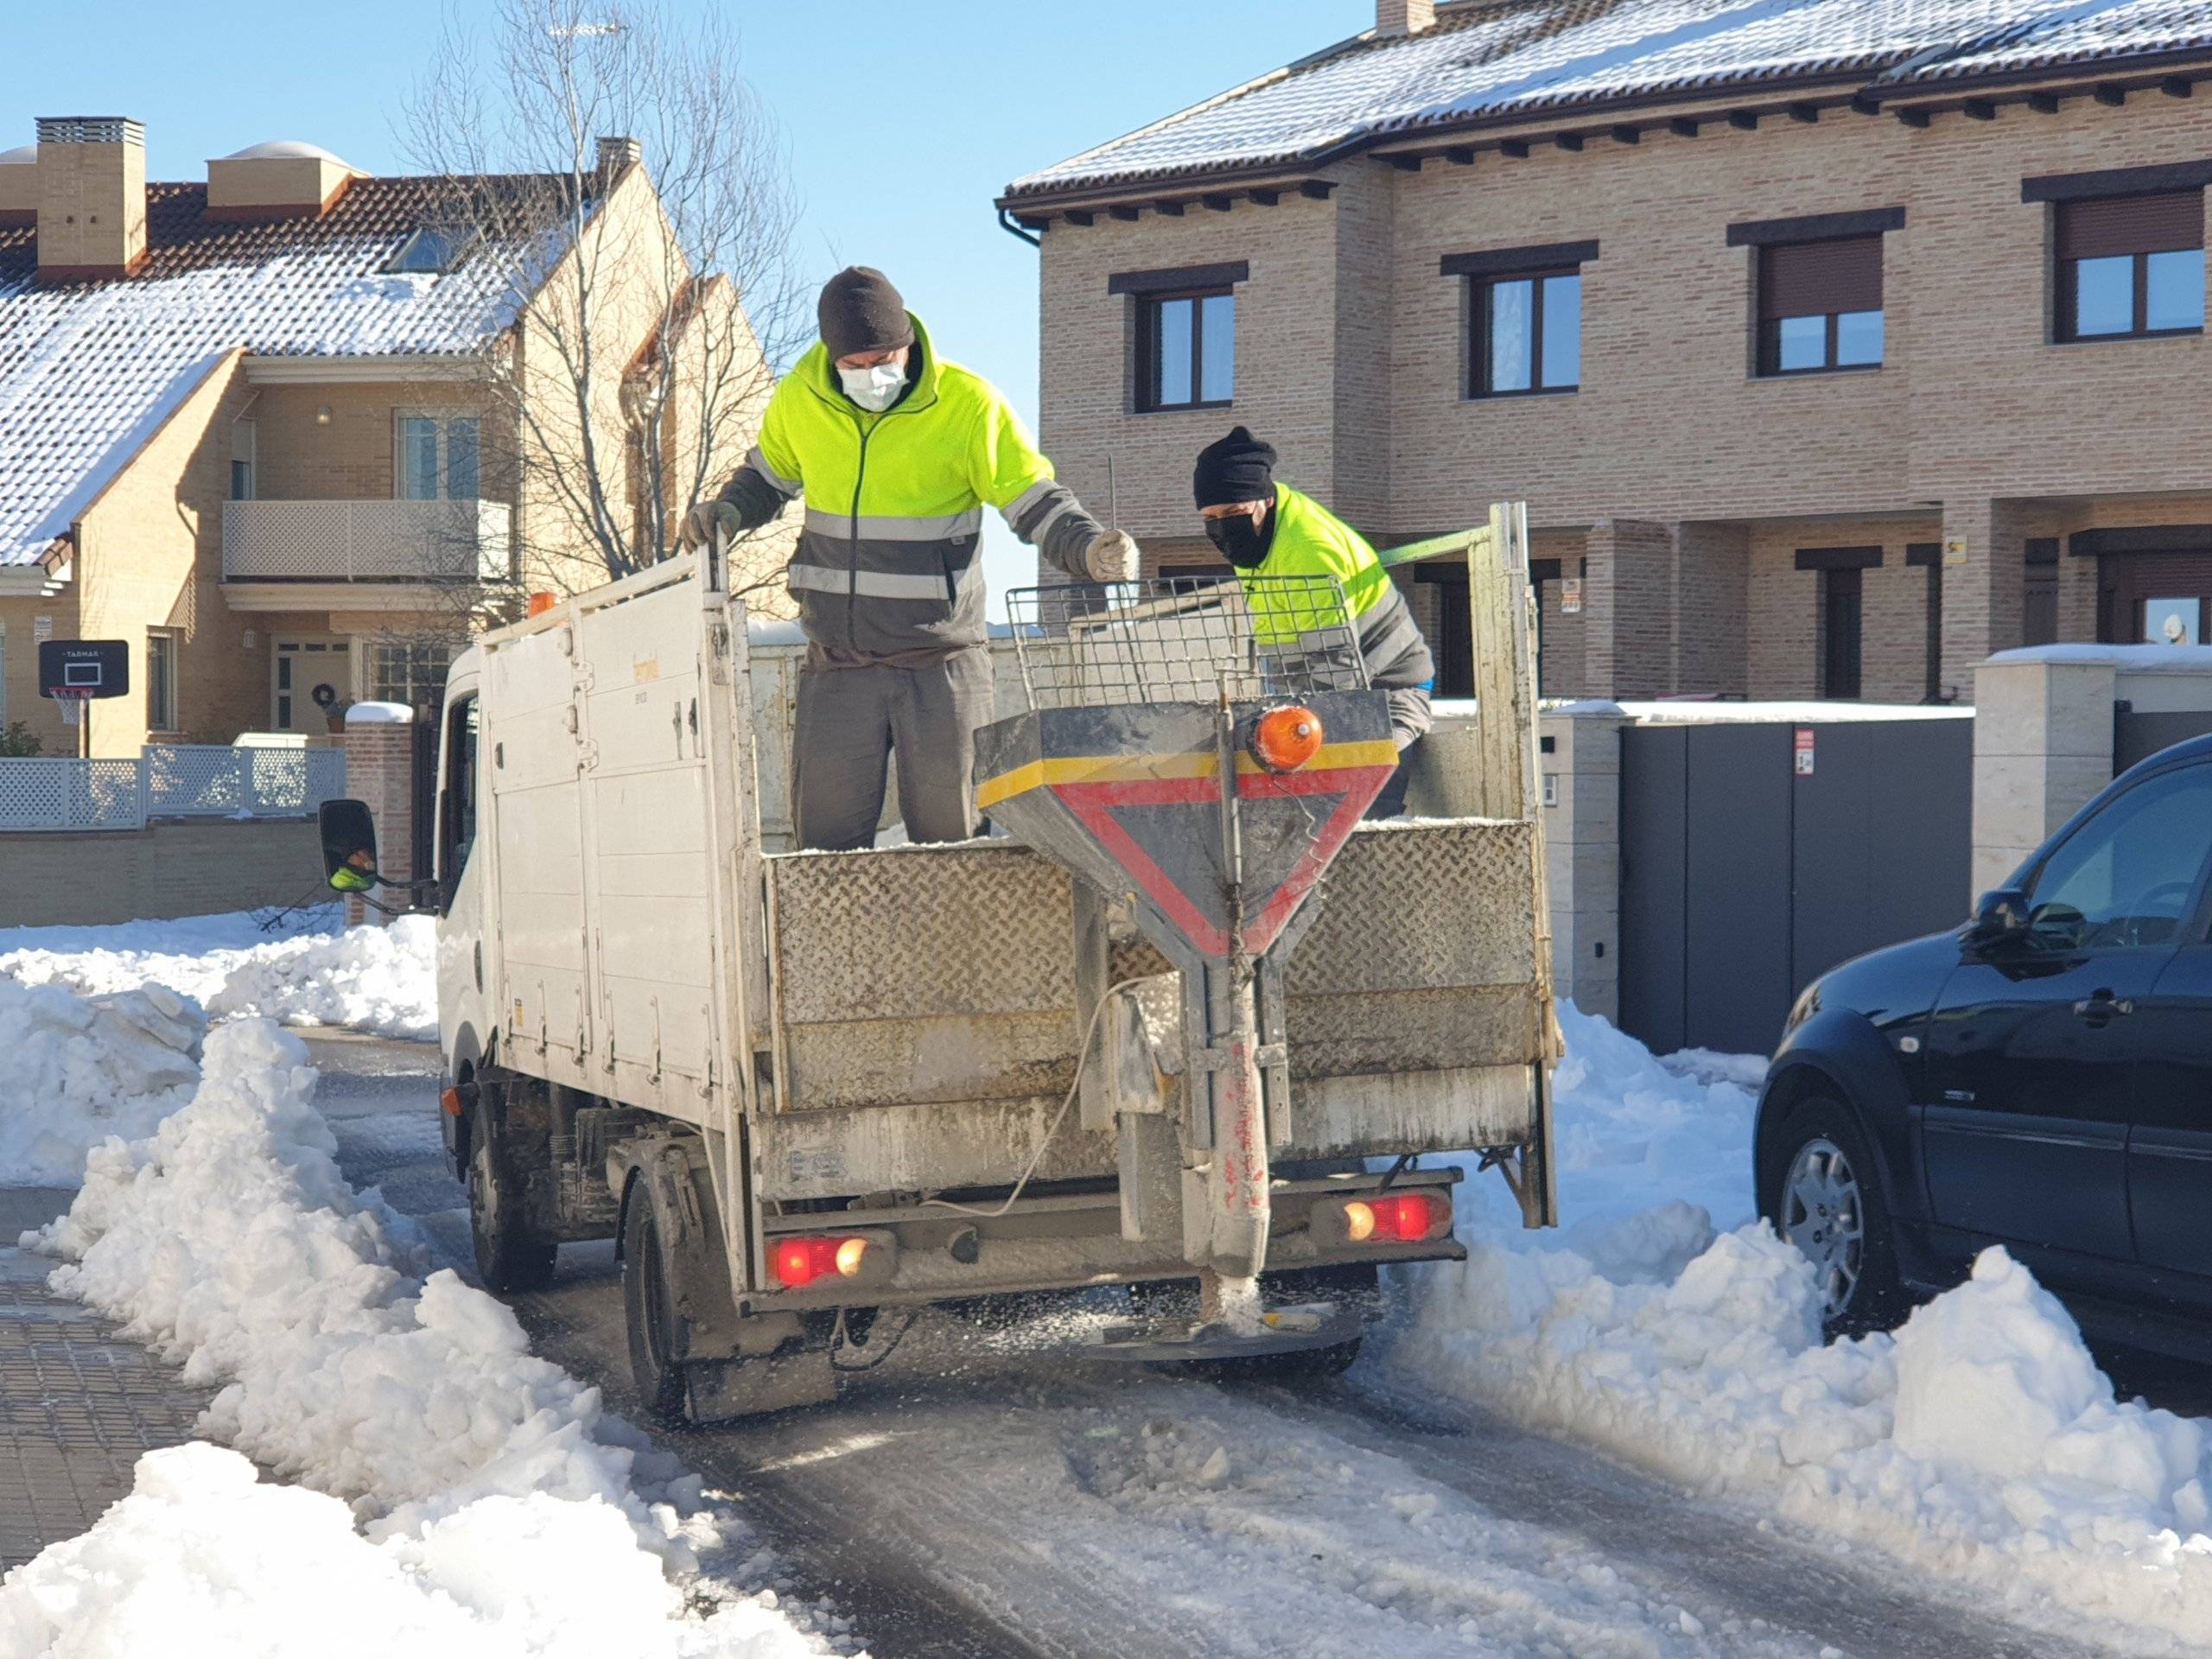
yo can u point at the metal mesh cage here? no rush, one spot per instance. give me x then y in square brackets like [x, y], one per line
[1182, 638]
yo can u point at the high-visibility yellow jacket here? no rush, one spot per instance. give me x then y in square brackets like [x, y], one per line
[1308, 540]
[887, 560]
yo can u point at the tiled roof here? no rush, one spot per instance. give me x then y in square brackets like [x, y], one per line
[1501, 58]
[89, 370]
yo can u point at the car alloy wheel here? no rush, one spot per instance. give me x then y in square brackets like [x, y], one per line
[1823, 1215]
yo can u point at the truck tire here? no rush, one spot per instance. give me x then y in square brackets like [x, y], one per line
[509, 1257]
[649, 1310]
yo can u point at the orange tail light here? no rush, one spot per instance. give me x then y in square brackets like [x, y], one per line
[1283, 740]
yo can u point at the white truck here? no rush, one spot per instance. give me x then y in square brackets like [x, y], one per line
[802, 1091]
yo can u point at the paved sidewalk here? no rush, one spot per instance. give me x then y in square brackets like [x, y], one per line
[78, 1403]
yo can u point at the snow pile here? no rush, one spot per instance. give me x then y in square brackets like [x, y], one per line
[375, 979]
[229, 1239]
[1980, 1441]
[80, 1069]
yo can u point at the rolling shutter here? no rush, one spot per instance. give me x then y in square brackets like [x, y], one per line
[2102, 228]
[1806, 279]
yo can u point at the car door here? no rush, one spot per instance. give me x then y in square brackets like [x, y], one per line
[2169, 1152]
[2029, 1090]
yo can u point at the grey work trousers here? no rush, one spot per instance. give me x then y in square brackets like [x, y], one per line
[850, 719]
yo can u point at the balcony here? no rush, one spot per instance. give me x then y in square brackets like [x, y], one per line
[365, 554]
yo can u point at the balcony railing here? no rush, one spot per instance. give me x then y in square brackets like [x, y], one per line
[365, 541]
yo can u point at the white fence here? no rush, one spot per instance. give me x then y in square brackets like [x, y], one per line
[372, 540]
[167, 780]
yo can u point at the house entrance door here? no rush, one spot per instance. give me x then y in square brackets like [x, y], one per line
[309, 681]
[2156, 599]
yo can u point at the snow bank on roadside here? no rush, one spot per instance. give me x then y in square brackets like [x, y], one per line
[382, 980]
[229, 1239]
[80, 1069]
[1980, 1441]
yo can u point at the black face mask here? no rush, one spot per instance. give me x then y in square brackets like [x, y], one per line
[1240, 540]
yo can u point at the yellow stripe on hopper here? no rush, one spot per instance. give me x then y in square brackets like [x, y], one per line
[1122, 768]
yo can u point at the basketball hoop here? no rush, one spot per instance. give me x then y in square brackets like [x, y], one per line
[71, 702]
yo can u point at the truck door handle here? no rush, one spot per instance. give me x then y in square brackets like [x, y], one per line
[2099, 1009]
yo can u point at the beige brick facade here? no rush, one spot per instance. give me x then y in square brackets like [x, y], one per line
[1688, 483]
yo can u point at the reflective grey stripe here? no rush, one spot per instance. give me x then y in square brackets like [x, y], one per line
[869, 584]
[883, 527]
[1035, 534]
[775, 480]
[1029, 497]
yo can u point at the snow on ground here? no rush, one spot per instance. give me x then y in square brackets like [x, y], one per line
[1980, 1441]
[311, 973]
[496, 1500]
[80, 1069]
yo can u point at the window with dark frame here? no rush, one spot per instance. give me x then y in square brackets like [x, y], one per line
[1841, 614]
[1820, 305]
[1527, 333]
[2130, 267]
[1930, 556]
[2039, 599]
[1186, 349]
[160, 681]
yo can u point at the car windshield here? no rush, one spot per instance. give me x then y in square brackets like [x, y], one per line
[2126, 877]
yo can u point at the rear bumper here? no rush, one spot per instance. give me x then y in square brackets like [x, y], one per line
[1073, 1241]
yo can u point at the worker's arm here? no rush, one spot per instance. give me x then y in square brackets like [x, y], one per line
[1399, 663]
[758, 490]
[1015, 478]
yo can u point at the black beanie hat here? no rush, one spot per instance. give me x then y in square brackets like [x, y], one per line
[861, 312]
[1238, 467]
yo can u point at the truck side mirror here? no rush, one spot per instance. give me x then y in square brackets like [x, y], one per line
[2000, 919]
[349, 846]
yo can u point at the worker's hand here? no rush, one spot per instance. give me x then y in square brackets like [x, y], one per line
[701, 523]
[1111, 557]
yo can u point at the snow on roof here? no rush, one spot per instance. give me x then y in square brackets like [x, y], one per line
[89, 370]
[1497, 57]
[283, 149]
[2134, 659]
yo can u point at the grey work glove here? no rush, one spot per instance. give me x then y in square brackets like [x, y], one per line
[701, 522]
[1111, 557]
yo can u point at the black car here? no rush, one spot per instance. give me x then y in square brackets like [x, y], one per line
[2041, 1079]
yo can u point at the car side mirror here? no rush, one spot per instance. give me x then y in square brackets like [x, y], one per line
[2001, 917]
[349, 846]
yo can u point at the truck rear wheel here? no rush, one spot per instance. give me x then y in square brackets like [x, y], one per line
[650, 1311]
[509, 1257]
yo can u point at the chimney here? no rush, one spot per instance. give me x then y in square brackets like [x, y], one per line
[92, 195]
[617, 156]
[1404, 17]
[284, 179]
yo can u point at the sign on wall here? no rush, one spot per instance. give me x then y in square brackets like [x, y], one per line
[1802, 754]
[1570, 596]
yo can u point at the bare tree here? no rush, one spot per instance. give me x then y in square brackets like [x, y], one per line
[610, 173]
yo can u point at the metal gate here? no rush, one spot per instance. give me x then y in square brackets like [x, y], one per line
[2139, 736]
[1743, 875]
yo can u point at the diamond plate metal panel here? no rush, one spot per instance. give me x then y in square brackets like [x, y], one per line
[1420, 906]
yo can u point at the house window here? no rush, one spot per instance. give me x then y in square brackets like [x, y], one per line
[161, 682]
[434, 249]
[439, 457]
[1821, 305]
[2131, 266]
[1187, 350]
[411, 672]
[1527, 333]
[244, 442]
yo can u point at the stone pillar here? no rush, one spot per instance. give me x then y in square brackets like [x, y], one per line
[380, 773]
[1985, 583]
[1627, 618]
[2042, 746]
[1579, 773]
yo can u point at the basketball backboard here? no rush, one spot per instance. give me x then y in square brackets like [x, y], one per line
[84, 668]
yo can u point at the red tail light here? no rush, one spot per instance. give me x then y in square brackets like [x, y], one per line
[1392, 1218]
[799, 1262]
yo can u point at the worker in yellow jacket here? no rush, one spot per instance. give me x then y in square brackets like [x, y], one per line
[1268, 528]
[895, 453]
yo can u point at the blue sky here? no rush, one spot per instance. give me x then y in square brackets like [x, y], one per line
[904, 120]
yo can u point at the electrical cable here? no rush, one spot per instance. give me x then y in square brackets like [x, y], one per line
[1082, 1049]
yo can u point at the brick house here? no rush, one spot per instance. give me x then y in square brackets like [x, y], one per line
[1833, 345]
[264, 428]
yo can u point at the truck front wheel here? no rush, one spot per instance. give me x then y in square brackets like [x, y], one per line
[509, 1257]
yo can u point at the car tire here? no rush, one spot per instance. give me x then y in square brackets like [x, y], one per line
[510, 1257]
[1821, 1189]
[649, 1310]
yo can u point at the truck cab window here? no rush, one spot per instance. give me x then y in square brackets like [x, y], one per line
[457, 794]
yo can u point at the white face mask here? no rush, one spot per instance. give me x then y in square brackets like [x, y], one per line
[874, 389]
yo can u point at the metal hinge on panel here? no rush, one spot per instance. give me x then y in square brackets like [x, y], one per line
[587, 757]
